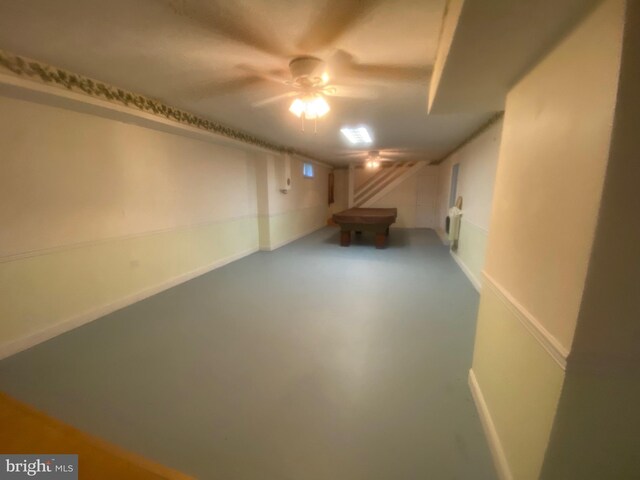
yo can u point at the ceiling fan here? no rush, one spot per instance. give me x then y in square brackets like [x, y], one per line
[310, 85]
[375, 158]
[308, 74]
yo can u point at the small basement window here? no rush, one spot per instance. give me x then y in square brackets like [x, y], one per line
[307, 170]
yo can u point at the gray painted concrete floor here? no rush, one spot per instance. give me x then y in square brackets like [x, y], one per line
[310, 362]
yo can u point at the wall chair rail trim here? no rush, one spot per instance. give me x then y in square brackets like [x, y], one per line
[116, 238]
[551, 344]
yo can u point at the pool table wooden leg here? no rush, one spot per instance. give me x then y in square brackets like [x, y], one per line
[381, 240]
[345, 238]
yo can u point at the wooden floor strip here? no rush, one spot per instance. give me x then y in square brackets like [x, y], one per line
[28, 431]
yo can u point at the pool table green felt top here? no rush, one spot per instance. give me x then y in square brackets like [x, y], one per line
[366, 216]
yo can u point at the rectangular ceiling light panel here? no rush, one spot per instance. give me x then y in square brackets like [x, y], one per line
[357, 135]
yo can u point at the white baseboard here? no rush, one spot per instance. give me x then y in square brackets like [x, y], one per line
[14, 346]
[497, 452]
[270, 248]
[472, 278]
[443, 236]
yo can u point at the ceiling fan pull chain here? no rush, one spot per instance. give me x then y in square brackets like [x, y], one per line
[315, 126]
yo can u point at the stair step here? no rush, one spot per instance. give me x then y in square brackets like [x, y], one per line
[375, 179]
[392, 180]
[381, 178]
[380, 186]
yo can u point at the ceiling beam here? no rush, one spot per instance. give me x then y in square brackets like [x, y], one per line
[487, 46]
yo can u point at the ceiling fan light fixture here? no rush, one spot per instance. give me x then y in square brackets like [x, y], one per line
[312, 107]
[372, 164]
[317, 107]
[297, 107]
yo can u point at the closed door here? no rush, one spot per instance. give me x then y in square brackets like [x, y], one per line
[426, 201]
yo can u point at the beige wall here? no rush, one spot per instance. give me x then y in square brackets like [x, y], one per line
[284, 217]
[415, 199]
[553, 156]
[361, 175]
[403, 197]
[478, 162]
[341, 190]
[69, 178]
[598, 419]
[97, 213]
[304, 193]
[476, 177]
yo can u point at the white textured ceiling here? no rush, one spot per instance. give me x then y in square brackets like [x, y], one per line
[494, 43]
[200, 55]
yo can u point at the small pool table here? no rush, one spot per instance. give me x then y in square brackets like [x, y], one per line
[376, 220]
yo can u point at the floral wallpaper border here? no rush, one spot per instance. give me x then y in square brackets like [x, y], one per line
[51, 75]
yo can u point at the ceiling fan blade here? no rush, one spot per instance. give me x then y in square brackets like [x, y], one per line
[346, 66]
[400, 73]
[408, 157]
[401, 152]
[275, 98]
[351, 92]
[276, 76]
[227, 87]
[388, 154]
[384, 155]
[333, 21]
[231, 20]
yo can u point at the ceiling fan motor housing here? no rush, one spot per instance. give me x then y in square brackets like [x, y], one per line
[307, 70]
